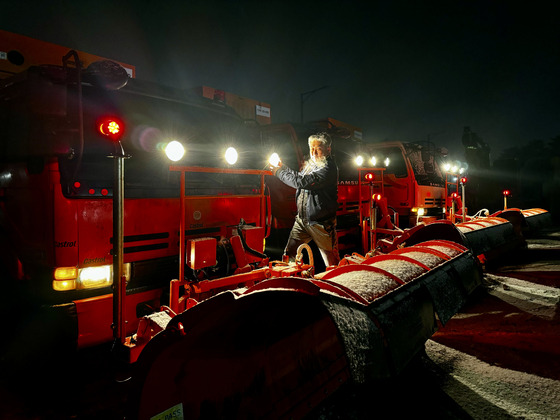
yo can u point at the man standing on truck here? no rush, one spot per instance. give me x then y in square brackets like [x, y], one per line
[316, 187]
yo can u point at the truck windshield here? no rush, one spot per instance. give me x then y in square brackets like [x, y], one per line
[424, 164]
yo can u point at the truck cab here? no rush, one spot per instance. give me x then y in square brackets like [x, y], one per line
[413, 181]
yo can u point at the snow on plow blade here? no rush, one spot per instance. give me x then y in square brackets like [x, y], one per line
[492, 237]
[529, 221]
[487, 237]
[279, 348]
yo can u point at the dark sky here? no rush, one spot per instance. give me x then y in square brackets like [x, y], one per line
[410, 71]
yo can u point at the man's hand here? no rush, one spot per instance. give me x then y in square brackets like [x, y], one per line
[275, 163]
[274, 169]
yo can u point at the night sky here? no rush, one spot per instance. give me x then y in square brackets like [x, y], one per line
[399, 70]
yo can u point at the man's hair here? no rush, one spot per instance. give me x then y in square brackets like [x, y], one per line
[321, 137]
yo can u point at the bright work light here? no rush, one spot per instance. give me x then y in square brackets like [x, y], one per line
[274, 159]
[231, 155]
[174, 151]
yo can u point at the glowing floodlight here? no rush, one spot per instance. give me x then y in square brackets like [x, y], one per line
[231, 155]
[359, 160]
[274, 159]
[174, 151]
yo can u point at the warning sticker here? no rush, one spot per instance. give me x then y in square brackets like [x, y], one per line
[173, 413]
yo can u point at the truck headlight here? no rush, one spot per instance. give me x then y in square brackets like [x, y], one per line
[72, 278]
[418, 210]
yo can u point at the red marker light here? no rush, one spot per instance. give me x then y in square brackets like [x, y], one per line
[112, 128]
[369, 177]
[464, 180]
[77, 184]
[454, 195]
[506, 192]
[104, 191]
[376, 197]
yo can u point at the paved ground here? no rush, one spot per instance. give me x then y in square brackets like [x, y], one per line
[499, 358]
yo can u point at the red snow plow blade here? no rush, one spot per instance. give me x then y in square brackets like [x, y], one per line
[488, 238]
[279, 348]
[491, 237]
[527, 221]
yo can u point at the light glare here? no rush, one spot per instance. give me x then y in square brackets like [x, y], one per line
[274, 159]
[359, 160]
[93, 277]
[174, 151]
[231, 155]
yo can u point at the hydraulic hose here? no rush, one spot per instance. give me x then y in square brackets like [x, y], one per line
[244, 243]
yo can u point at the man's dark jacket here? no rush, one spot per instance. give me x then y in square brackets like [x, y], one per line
[322, 190]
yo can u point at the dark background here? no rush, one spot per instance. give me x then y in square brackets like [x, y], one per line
[400, 70]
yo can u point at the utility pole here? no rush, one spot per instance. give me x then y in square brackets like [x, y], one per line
[305, 95]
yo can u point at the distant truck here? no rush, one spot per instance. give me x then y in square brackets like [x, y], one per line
[414, 183]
